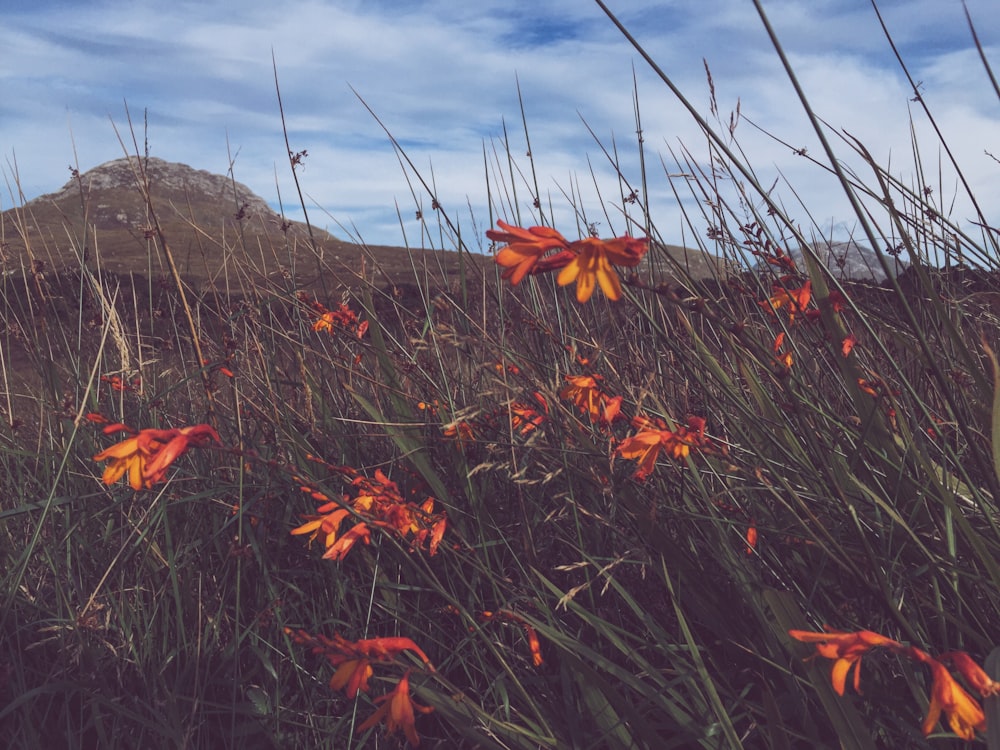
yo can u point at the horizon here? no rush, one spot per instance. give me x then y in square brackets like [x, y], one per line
[210, 97]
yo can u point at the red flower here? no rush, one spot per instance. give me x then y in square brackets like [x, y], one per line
[795, 300]
[378, 503]
[972, 672]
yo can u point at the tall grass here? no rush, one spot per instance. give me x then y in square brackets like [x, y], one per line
[847, 477]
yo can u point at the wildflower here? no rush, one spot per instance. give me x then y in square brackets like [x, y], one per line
[339, 549]
[343, 317]
[592, 265]
[533, 644]
[378, 503]
[352, 660]
[584, 391]
[587, 261]
[836, 301]
[972, 672]
[524, 418]
[784, 360]
[653, 436]
[120, 385]
[847, 649]
[397, 710]
[525, 248]
[147, 455]
[751, 538]
[848, 344]
[795, 300]
[964, 714]
[461, 432]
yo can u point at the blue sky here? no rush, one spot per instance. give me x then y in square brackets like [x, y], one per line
[443, 77]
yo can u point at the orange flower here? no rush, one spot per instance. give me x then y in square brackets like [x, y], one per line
[585, 393]
[533, 644]
[524, 418]
[848, 344]
[339, 549]
[525, 248]
[587, 261]
[147, 455]
[847, 649]
[972, 672]
[592, 265]
[378, 503]
[461, 432]
[343, 317]
[397, 710]
[353, 659]
[751, 538]
[645, 445]
[796, 300]
[964, 714]
[784, 360]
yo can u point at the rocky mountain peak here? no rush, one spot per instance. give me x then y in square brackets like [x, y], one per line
[169, 180]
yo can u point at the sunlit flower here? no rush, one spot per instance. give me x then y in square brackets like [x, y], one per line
[847, 649]
[525, 248]
[644, 447]
[339, 549]
[147, 455]
[397, 711]
[592, 265]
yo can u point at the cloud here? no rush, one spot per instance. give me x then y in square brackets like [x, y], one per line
[444, 79]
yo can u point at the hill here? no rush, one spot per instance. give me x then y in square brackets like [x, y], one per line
[217, 229]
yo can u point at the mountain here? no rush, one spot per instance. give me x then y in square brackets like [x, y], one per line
[217, 229]
[849, 261]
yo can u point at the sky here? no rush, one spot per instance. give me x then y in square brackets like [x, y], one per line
[448, 80]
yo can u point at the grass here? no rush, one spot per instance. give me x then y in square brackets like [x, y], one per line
[834, 485]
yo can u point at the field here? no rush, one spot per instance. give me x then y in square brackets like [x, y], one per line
[573, 495]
